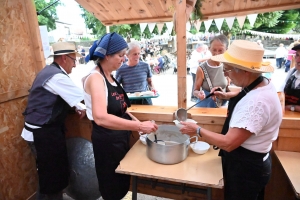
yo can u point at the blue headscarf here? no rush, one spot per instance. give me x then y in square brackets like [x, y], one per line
[109, 44]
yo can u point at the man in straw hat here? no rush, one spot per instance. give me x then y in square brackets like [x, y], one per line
[292, 84]
[252, 123]
[50, 97]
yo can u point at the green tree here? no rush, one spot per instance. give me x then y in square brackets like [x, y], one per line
[48, 16]
[277, 22]
[126, 30]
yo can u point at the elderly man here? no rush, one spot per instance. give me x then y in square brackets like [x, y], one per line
[292, 84]
[50, 97]
[135, 75]
[200, 54]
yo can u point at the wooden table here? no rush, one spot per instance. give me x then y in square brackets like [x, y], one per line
[200, 170]
[290, 162]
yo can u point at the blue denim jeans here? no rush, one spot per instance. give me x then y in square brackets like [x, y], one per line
[208, 103]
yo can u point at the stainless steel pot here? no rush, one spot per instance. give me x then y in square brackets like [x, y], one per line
[174, 149]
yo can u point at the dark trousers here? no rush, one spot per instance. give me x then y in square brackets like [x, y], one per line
[52, 159]
[245, 177]
[145, 101]
[279, 62]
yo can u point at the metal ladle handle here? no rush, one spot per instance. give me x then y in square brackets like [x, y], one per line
[211, 94]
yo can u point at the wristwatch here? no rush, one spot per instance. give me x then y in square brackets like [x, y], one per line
[293, 108]
[198, 131]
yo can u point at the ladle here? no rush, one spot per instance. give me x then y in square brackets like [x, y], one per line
[181, 113]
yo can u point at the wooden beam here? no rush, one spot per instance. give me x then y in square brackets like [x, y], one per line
[136, 20]
[234, 13]
[181, 52]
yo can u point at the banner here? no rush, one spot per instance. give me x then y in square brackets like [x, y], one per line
[188, 26]
[241, 20]
[230, 21]
[151, 26]
[219, 23]
[143, 26]
[207, 24]
[160, 27]
[169, 27]
[197, 24]
[252, 19]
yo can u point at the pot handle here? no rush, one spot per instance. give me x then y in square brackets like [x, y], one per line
[194, 141]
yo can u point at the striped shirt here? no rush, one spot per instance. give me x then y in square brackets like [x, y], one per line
[134, 78]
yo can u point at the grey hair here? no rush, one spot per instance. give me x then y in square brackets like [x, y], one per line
[222, 38]
[132, 45]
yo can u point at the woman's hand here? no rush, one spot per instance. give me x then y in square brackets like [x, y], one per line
[218, 94]
[201, 95]
[147, 127]
[189, 128]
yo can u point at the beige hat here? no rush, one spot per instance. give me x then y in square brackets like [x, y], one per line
[61, 48]
[245, 55]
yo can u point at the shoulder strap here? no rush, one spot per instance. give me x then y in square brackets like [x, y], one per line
[206, 77]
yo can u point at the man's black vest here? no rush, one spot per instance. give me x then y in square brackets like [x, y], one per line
[43, 106]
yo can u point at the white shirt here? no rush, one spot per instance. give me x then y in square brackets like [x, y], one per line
[280, 52]
[63, 86]
[260, 113]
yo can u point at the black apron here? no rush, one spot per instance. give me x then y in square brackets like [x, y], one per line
[245, 174]
[292, 96]
[110, 146]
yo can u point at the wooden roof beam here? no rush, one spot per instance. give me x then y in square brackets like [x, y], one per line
[234, 13]
[136, 21]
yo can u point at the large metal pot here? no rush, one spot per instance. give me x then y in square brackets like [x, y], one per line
[173, 149]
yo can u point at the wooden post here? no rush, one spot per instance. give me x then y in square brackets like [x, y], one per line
[181, 51]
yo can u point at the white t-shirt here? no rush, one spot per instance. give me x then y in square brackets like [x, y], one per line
[61, 85]
[260, 113]
[87, 97]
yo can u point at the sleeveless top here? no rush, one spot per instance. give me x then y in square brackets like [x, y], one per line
[216, 76]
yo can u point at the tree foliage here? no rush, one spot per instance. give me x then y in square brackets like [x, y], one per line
[126, 30]
[48, 16]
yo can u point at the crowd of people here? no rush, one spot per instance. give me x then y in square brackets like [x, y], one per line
[251, 125]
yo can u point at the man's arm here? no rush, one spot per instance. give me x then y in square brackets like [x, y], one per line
[150, 83]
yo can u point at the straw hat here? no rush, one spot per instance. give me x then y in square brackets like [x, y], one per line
[245, 55]
[62, 48]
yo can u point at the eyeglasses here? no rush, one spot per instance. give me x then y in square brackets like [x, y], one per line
[227, 71]
[74, 59]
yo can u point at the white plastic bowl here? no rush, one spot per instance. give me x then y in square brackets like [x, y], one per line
[179, 125]
[143, 139]
[200, 147]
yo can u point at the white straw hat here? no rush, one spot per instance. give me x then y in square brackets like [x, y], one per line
[245, 55]
[62, 48]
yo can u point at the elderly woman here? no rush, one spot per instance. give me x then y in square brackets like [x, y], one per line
[106, 103]
[210, 74]
[252, 123]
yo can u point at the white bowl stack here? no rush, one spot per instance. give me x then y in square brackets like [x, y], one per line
[200, 147]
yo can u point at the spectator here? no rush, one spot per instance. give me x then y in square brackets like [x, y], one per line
[160, 64]
[214, 75]
[252, 123]
[197, 57]
[280, 54]
[135, 75]
[292, 84]
[51, 95]
[107, 105]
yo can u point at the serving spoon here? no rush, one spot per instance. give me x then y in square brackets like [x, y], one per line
[181, 113]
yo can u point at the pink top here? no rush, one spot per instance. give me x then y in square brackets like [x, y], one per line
[290, 53]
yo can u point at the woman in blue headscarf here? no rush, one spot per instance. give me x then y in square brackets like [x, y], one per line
[107, 104]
